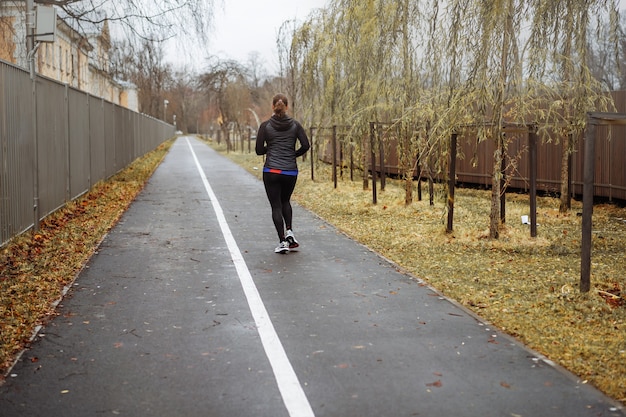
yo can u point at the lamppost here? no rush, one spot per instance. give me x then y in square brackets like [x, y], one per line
[165, 103]
[256, 117]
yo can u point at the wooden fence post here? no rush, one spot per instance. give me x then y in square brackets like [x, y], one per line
[503, 180]
[585, 252]
[373, 157]
[532, 168]
[451, 182]
[351, 161]
[381, 149]
[334, 153]
[312, 156]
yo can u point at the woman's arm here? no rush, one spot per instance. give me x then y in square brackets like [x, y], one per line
[260, 147]
[303, 139]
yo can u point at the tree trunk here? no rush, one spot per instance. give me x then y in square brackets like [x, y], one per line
[564, 206]
[365, 153]
[408, 189]
[494, 216]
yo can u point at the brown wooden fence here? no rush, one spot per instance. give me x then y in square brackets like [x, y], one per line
[474, 162]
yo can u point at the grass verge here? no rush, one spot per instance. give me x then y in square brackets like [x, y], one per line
[528, 287]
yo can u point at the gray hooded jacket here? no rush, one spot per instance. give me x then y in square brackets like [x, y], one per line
[277, 139]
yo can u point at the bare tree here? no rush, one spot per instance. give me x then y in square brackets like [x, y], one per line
[181, 93]
[223, 82]
[144, 66]
[187, 22]
[607, 51]
[156, 20]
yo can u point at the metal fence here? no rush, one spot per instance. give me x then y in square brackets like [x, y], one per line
[57, 142]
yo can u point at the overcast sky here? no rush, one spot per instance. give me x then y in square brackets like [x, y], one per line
[245, 26]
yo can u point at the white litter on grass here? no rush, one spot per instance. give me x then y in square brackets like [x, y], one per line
[526, 220]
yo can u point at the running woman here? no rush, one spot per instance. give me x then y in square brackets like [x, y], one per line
[277, 139]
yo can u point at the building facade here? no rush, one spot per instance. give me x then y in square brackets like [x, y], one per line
[80, 60]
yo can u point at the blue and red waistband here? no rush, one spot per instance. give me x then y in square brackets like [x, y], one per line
[292, 172]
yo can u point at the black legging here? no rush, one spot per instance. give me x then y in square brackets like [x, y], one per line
[279, 188]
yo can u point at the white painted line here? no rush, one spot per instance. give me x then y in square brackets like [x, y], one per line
[293, 395]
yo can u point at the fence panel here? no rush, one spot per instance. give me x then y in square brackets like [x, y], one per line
[110, 140]
[517, 171]
[123, 137]
[474, 165]
[78, 105]
[52, 133]
[16, 151]
[471, 168]
[97, 154]
[80, 140]
[618, 162]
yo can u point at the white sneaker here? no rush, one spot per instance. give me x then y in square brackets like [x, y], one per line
[291, 239]
[283, 247]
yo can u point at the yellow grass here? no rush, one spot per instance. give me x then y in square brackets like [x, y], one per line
[528, 287]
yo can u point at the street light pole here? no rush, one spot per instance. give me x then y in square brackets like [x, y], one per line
[30, 29]
[256, 117]
[165, 103]
[31, 50]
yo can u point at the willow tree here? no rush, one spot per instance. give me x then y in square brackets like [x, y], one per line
[346, 62]
[357, 32]
[496, 26]
[222, 83]
[407, 23]
[444, 103]
[558, 58]
[298, 50]
[374, 56]
[507, 38]
[473, 70]
[503, 77]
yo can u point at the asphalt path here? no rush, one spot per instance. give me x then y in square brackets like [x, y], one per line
[185, 310]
